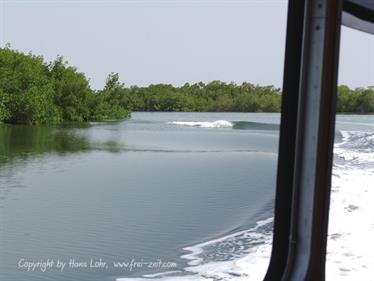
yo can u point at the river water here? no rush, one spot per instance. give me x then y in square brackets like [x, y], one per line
[170, 196]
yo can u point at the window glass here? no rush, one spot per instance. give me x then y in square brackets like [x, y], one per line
[181, 189]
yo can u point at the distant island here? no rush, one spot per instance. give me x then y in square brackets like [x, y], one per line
[33, 92]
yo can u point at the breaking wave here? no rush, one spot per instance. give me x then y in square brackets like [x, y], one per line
[241, 125]
[215, 124]
[244, 255]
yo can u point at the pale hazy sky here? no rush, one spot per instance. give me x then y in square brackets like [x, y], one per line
[170, 41]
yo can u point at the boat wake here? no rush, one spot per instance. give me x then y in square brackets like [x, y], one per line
[350, 249]
[245, 255]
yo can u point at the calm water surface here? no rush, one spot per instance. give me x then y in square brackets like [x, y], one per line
[193, 191]
[140, 189]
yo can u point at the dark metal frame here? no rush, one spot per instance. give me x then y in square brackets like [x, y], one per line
[358, 11]
[287, 140]
[306, 141]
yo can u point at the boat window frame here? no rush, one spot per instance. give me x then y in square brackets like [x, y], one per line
[306, 140]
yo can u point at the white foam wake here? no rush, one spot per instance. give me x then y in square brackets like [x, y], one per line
[245, 255]
[350, 249]
[356, 147]
[215, 124]
[240, 256]
[351, 227]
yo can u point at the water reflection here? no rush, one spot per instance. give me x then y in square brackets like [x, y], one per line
[22, 141]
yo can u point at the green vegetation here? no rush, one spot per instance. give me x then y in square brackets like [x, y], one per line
[214, 96]
[34, 92]
[218, 96]
[360, 100]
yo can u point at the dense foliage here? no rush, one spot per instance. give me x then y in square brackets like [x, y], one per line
[220, 96]
[34, 92]
[214, 96]
[360, 100]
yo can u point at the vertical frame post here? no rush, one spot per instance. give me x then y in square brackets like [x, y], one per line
[315, 139]
[287, 139]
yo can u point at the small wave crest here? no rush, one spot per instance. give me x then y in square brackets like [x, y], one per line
[205, 124]
[239, 125]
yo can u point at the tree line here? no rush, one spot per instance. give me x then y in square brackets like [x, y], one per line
[35, 92]
[218, 96]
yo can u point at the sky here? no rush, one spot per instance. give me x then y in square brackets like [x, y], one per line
[172, 42]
